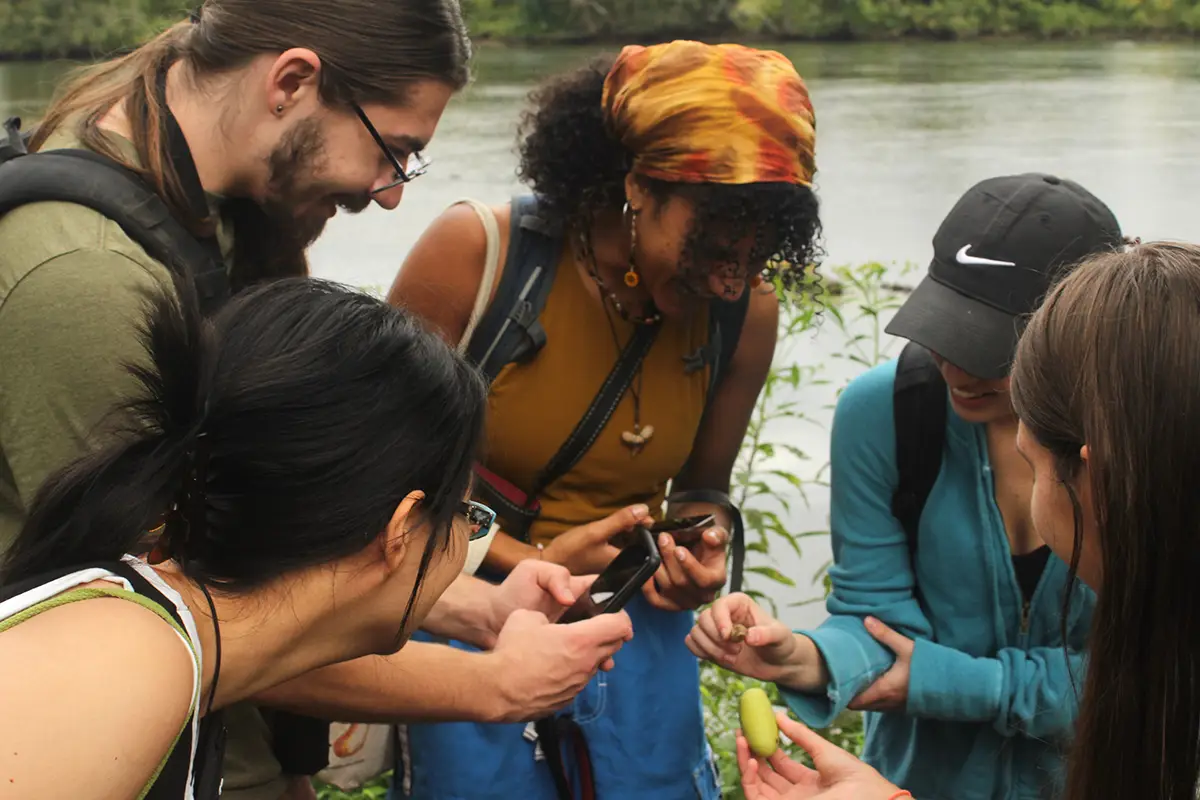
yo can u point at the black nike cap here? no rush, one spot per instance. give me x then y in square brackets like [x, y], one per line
[1003, 245]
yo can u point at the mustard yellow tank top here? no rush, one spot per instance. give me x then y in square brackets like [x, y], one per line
[533, 408]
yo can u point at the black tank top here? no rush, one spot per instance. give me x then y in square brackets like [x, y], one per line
[1029, 568]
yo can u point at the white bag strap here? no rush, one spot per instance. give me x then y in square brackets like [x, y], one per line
[490, 265]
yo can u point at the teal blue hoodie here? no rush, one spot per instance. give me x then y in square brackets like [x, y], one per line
[992, 692]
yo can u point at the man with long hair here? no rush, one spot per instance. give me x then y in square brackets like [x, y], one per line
[254, 121]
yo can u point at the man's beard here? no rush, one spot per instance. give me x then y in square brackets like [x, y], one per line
[292, 184]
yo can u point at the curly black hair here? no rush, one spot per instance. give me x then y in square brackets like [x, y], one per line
[577, 168]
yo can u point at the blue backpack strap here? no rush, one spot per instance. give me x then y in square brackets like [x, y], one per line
[509, 330]
[919, 412]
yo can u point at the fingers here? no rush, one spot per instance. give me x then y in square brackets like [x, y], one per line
[557, 582]
[604, 629]
[722, 610]
[670, 560]
[772, 779]
[604, 529]
[768, 634]
[792, 770]
[708, 636]
[707, 576]
[763, 629]
[523, 618]
[867, 698]
[742, 748]
[706, 621]
[580, 584]
[657, 599]
[706, 647]
[737, 607]
[711, 547]
[898, 643]
[753, 786]
[825, 754]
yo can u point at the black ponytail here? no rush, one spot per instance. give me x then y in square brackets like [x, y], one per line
[286, 431]
[101, 507]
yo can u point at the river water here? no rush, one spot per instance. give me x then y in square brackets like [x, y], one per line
[903, 130]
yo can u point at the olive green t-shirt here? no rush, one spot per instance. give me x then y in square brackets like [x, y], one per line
[72, 295]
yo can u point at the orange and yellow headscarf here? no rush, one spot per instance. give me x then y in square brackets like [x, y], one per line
[699, 113]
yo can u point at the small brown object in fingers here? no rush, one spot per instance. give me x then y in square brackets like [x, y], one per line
[738, 632]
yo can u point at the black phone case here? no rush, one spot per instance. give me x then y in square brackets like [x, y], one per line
[626, 592]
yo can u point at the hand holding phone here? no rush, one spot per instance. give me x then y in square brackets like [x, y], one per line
[620, 581]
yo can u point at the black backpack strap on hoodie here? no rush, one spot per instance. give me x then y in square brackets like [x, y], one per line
[919, 412]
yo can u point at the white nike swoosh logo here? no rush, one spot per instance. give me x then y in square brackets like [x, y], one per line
[963, 258]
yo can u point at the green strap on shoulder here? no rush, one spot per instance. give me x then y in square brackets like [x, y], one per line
[75, 596]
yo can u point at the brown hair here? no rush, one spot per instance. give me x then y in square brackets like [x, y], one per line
[1112, 359]
[370, 52]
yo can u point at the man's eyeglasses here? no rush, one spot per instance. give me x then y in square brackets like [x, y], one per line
[479, 518]
[404, 174]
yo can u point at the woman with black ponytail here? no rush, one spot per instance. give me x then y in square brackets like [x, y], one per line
[296, 480]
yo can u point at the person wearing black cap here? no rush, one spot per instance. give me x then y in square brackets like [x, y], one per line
[946, 610]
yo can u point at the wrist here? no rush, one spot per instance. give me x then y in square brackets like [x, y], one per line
[496, 703]
[478, 621]
[805, 670]
[546, 552]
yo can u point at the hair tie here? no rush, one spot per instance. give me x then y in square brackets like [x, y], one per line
[195, 497]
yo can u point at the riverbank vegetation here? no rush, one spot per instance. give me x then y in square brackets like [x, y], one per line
[82, 28]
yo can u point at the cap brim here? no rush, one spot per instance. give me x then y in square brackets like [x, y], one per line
[969, 334]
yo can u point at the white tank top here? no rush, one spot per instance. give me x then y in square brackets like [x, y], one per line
[29, 599]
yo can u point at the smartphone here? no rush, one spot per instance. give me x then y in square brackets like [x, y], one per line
[685, 530]
[620, 581]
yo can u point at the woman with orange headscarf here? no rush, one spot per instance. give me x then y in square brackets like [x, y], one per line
[667, 185]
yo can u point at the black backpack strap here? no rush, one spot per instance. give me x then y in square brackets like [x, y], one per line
[13, 142]
[552, 733]
[89, 179]
[725, 323]
[601, 410]
[206, 768]
[509, 330]
[919, 411]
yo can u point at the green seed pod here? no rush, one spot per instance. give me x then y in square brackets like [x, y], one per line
[758, 723]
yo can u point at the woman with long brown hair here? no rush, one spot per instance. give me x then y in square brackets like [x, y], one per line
[1107, 391]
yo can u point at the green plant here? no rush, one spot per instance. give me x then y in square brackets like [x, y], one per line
[375, 790]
